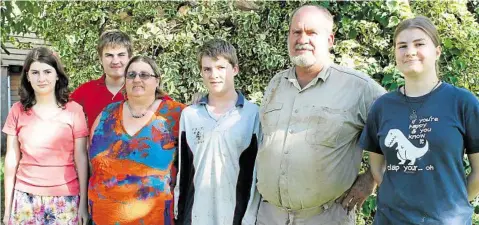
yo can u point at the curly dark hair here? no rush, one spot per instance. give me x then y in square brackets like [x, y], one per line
[26, 92]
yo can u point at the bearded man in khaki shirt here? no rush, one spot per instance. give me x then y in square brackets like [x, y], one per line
[312, 116]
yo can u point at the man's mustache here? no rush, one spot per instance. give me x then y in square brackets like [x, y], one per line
[303, 47]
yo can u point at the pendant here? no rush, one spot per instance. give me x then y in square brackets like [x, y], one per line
[413, 115]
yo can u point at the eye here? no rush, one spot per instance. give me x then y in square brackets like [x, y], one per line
[402, 46]
[34, 72]
[144, 75]
[131, 74]
[206, 69]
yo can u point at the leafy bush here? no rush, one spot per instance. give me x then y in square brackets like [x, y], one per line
[172, 31]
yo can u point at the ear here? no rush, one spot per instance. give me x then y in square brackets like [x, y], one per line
[438, 52]
[235, 70]
[331, 40]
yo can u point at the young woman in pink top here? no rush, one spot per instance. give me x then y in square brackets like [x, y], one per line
[46, 162]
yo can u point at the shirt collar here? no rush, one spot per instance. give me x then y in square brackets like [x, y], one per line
[239, 101]
[323, 75]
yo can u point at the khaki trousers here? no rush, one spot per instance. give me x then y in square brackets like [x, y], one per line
[334, 214]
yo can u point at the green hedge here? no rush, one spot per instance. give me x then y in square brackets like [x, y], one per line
[172, 31]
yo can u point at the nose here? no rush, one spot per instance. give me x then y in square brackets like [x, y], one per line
[411, 51]
[115, 59]
[137, 78]
[213, 74]
[303, 39]
[41, 77]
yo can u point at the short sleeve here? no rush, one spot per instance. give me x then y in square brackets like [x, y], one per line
[372, 92]
[80, 127]
[471, 119]
[369, 139]
[11, 123]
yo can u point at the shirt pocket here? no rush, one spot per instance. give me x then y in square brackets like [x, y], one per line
[324, 126]
[270, 117]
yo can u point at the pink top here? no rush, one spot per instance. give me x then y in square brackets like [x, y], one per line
[47, 165]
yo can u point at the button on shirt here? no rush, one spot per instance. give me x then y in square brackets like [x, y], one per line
[309, 154]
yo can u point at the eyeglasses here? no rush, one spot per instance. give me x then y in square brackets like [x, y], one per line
[143, 75]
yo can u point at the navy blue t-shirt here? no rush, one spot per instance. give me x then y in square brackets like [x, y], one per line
[424, 182]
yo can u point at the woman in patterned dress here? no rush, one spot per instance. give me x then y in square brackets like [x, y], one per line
[133, 143]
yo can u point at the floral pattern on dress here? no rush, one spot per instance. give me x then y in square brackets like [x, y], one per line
[29, 209]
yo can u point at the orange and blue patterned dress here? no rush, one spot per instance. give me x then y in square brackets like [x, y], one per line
[131, 176]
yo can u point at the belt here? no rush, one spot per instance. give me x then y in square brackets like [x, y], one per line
[308, 212]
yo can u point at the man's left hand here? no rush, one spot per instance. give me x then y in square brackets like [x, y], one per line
[358, 193]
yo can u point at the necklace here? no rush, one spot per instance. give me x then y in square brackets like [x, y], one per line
[413, 115]
[141, 114]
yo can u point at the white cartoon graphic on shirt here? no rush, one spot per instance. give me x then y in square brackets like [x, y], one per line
[405, 149]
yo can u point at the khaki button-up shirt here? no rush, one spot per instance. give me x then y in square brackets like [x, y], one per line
[309, 153]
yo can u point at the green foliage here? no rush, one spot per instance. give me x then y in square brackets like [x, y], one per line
[172, 32]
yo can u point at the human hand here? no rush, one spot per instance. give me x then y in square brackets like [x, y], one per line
[358, 193]
[83, 216]
[6, 218]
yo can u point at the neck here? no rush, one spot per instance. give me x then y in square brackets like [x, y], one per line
[140, 102]
[114, 82]
[223, 100]
[309, 72]
[420, 85]
[49, 99]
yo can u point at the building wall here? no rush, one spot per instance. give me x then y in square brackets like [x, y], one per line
[14, 86]
[3, 104]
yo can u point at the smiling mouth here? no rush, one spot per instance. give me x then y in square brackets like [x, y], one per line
[412, 61]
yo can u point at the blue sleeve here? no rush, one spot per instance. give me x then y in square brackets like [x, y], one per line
[471, 122]
[369, 139]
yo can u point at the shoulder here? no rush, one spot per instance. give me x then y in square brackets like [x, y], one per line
[279, 75]
[16, 109]
[370, 87]
[352, 74]
[17, 106]
[112, 106]
[191, 109]
[251, 106]
[463, 95]
[87, 85]
[73, 106]
[172, 107]
[82, 92]
[385, 100]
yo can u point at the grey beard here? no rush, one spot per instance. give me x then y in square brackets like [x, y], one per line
[303, 60]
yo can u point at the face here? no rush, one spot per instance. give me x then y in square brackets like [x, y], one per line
[114, 60]
[43, 78]
[310, 38]
[415, 52]
[218, 74]
[140, 80]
